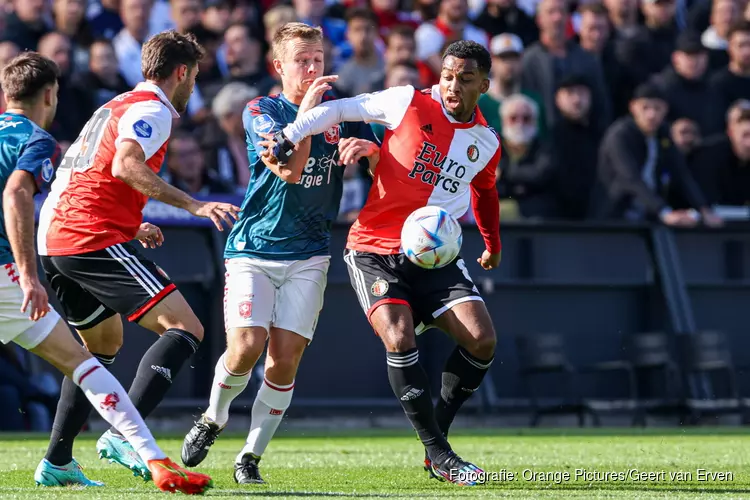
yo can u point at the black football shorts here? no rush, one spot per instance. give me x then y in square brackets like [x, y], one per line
[97, 285]
[394, 279]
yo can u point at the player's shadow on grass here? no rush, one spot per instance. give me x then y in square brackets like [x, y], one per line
[245, 493]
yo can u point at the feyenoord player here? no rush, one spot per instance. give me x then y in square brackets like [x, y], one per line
[437, 150]
[92, 213]
[278, 253]
[27, 160]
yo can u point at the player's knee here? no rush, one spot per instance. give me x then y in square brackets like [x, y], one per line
[245, 345]
[191, 325]
[483, 346]
[279, 369]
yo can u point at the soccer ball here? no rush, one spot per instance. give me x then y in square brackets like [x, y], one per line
[431, 237]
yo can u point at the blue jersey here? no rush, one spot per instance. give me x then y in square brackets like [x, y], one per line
[23, 146]
[282, 221]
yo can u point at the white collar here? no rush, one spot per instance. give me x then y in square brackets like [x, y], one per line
[148, 86]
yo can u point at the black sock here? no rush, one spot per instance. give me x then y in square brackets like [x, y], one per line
[462, 376]
[73, 409]
[158, 367]
[410, 385]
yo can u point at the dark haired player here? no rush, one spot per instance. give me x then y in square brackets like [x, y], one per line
[437, 150]
[93, 212]
[28, 156]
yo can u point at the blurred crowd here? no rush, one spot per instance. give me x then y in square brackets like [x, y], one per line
[620, 109]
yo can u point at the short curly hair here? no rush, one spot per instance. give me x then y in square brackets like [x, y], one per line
[466, 49]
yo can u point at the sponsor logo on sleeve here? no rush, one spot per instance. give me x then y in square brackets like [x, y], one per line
[48, 170]
[142, 129]
[263, 124]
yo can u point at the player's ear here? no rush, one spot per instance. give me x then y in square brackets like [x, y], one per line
[277, 67]
[49, 94]
[182, 73]
[485, 85]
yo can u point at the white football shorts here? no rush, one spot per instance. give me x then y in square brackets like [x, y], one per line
[16, 326]
[284, 294]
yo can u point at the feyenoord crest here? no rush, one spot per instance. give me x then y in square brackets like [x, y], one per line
[379, 288]
[246, 309]
[332, 135]
[473, 153]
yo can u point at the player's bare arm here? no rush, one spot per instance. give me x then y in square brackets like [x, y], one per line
[18, 206]
[129, 166]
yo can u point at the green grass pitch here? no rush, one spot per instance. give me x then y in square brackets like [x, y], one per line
[371, 465]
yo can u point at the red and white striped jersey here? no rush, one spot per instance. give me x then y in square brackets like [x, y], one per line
[427, 158]
[88, 209]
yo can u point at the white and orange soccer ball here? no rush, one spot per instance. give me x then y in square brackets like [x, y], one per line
[431, 237]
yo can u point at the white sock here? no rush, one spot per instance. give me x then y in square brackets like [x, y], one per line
[112, 402]
[268, 410]
[225, 388]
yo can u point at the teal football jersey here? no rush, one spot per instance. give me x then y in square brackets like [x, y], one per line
[23, 146]
[282, 221]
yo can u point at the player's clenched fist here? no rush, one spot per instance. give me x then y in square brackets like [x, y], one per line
[149, 235]
[489, 260]
[351, 150]
[217, 212]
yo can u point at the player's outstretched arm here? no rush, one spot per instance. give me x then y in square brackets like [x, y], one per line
[18, 207]
[129, 166]
[387, 108]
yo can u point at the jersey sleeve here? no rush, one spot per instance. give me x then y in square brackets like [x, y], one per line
[39, 158]
[486, 203]
[261, 116]
[386, 107]
[148, 123]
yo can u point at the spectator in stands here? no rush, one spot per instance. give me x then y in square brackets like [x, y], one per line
[527, 165]
[245, 62]
[452, 24]
[506, 50]
[313, 12]
[135, 17]
[217, 16]
[504, 16]
[685, 85]
[70, 20]
[390, 16]
[722, 164]
[27, 23]
[186, 14]
[365, 70]
[223, 139]
[208, 67]
[186, 166]
[104, 18]
[650, 48]
[103, 78]
[686, 135]
[400, 47]
[574, 147]
[273, 19]
[623, 15]
[595, 37]
[733, 82]
[554, 58]
[8, 50]
[638, 165]
[724, 14]
[75, 104]
[25, 393]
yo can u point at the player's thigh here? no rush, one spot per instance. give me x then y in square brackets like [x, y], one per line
[249, 295]
[81, 309]
[15, 326]
[60, 349]
[469, 323]
[106, 337]
[300, 297]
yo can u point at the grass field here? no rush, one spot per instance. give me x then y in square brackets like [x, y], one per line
[387, 465]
